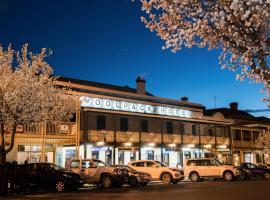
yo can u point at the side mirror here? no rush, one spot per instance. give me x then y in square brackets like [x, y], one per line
[156, 166]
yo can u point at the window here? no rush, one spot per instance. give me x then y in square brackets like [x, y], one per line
[193, 163]
[169, 127]
[246, 135]
[255, 135]
[144, 125]
[210, 132]
[237, 135]
[150, 164]
[123, 124]
[194, 129]
[205, 162]
[75, 164]
[138, 164]
[101, 122]
[182, 129]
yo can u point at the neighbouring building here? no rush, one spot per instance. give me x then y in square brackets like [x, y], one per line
[245, 131]
[119, 124]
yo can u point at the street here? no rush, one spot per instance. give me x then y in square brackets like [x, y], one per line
[207, 190]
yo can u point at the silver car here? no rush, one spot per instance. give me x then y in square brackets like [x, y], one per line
[97, 172]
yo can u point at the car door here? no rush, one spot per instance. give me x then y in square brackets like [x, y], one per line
[213, 170]
[204, 167]
[255, 170]
[89, 171]
[154, 169]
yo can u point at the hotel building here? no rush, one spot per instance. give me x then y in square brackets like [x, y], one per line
[119, 124]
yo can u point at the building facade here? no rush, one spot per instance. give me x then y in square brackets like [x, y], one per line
[245, 130]
[120, 124]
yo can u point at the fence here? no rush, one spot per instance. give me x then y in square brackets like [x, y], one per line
[14, 179]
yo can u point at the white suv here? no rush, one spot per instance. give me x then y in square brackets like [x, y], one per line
[158, 171]
[199, 168]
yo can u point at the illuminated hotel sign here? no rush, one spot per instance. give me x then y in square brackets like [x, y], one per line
[133, 107]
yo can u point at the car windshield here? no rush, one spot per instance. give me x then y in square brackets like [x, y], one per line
[161, 164]
[99, 163]
[57, 167]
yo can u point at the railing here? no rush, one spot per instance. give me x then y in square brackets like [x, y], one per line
[189, 139]
[207, 140]
[172, 139]
[100, 136]
[151, 138]
[127, 137]
[223, 140]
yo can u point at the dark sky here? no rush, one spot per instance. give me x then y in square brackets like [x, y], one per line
[104, 41]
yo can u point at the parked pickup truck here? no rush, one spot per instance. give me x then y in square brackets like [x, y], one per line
[97, 172]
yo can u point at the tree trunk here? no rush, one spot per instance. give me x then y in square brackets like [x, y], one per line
[2, 155]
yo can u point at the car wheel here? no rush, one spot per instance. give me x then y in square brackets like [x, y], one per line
[106, 181]
[166, 178]
[194, 177]
[133, 181]
[228, 176]
[175, 182]
[60, 186]
[143, 183]
[266, 175]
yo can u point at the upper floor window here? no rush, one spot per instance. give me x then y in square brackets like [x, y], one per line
[169, 127]
[101, 122]
[246, 135]
[182, 129]
[194, 129]
[210, 132]
[123, 124]
[144, 125]
[237, 135]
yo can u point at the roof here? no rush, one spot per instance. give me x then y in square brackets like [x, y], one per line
[132, 92]
[236, 114]
[101, 85]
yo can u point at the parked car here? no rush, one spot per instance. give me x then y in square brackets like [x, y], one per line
[97, 172]
[250, 170]
[137, 177]
[51, 176]
[158, 171]
[199, 168]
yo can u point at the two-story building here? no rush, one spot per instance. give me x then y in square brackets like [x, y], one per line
[118, 124]
[245, 130]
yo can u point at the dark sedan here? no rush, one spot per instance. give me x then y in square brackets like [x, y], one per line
[53, 177]
[249, 170]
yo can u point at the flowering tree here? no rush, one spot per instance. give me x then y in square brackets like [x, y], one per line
[28, 94]
[264, 142]
[241, 28]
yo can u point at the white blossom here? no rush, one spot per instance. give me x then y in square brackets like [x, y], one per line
[241, 28]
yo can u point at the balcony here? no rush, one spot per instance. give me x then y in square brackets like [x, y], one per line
[223, 141]
[100, 136]
[151, 138]
[207, 140]
[171, 139]
[190, 139]
[132, 137]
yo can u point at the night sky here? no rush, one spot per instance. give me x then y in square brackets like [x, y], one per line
[105, 41]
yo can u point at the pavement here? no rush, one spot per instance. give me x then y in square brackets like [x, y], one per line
[206, 190]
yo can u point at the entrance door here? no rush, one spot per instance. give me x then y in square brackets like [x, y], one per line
[150, 154]
[166, 158]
